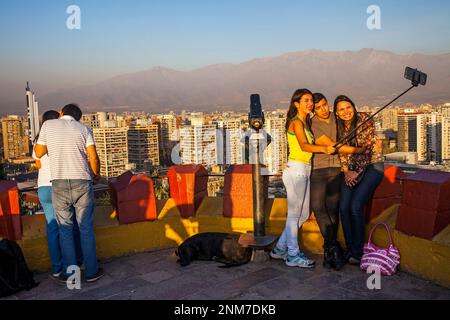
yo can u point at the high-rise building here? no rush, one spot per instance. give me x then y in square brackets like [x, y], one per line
[98, 119]
[32, 113]
[445, 110]
[275, 155]
[426, 108]
[232, 136]
[446, 138]
[121, 121]
[422, 123]
[407, 132]
[197, 119]
[15, 140]
[434, 138]
[2, 155]
[421, 133]
[389, 119]
[170, 130]
[168, 134]
[143, 147]
[112, 149]
[367, 109]
[199, 144]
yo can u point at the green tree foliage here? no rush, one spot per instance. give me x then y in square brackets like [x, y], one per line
[161, 188]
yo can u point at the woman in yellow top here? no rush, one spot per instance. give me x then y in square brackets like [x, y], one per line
[296, 177]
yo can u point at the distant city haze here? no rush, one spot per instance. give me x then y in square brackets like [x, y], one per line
[369, 76]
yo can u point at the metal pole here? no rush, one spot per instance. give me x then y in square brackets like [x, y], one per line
[258, 195]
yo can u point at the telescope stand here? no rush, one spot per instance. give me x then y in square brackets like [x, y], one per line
[258, 240]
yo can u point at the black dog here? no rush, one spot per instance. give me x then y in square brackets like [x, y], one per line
[213, 246]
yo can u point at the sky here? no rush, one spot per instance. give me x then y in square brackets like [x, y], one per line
[124, 36]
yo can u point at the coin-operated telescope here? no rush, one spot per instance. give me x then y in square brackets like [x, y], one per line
[258, 239]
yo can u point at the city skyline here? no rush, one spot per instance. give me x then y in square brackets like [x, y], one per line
[413, 136]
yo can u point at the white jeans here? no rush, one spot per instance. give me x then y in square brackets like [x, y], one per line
[296, 179]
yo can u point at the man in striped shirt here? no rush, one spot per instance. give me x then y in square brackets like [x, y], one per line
[74, 167]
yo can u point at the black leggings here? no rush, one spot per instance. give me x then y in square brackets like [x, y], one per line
[325, 192]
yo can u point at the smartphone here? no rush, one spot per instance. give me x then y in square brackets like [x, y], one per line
[417, 77]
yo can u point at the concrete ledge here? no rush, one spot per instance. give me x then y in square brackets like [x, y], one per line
[443, 237]
[424, 258]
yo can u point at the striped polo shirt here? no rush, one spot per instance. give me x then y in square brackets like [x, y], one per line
[66, 140]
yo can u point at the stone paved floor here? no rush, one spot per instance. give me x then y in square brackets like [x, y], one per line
[156, 275]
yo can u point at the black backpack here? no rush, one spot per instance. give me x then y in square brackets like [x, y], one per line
[14, 273]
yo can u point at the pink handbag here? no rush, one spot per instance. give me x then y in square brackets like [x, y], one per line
[386, 259]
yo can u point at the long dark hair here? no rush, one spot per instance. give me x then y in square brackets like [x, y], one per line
[292, 112]
[340, 124]
[48, 115]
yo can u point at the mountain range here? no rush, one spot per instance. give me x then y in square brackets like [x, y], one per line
[368, 76]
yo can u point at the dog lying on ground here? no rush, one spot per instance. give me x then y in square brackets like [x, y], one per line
[213, 246]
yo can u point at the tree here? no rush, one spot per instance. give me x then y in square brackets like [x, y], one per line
[161, 189]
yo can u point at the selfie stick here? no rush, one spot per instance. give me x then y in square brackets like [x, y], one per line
[416, 78]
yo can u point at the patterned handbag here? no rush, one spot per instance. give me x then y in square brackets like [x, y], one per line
[386, 259]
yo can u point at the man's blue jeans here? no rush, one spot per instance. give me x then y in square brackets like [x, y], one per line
[52, 231]
[77, 194]
[352, 202]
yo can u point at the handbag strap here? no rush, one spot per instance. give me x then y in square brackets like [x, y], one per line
[387, 229]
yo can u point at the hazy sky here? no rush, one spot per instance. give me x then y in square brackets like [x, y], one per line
[121, 36]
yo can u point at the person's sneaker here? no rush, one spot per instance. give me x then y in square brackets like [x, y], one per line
[56, 275]
[328, 261]
[347, 254]
[300, 260]
[278, 254]
[354, 261]
[96, 276]
[62, 279]
[312, 262]
[337, 256]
